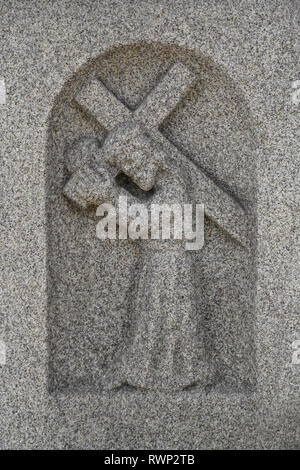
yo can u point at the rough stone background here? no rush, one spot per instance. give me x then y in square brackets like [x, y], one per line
[43, 45]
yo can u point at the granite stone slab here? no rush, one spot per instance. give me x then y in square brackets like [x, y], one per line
[124, 344]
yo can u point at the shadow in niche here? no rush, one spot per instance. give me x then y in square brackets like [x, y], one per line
[125, 182]
[90, 283]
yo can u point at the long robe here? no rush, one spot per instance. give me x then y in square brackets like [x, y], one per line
[165, 350]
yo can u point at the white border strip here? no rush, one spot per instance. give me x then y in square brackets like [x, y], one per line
[2, 91]
[2, 353]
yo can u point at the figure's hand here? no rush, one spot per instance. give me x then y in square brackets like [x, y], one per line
[90, 188]
[132, 151]
[92, 179]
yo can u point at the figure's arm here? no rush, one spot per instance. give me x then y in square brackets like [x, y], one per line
[93, 180]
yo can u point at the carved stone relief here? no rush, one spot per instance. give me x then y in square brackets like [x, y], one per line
[147, 121]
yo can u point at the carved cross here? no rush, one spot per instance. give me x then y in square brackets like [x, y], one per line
[135, 146]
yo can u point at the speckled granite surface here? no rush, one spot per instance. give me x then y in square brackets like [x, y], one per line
[67, 298]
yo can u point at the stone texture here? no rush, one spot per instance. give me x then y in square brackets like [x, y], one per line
[66, 302]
